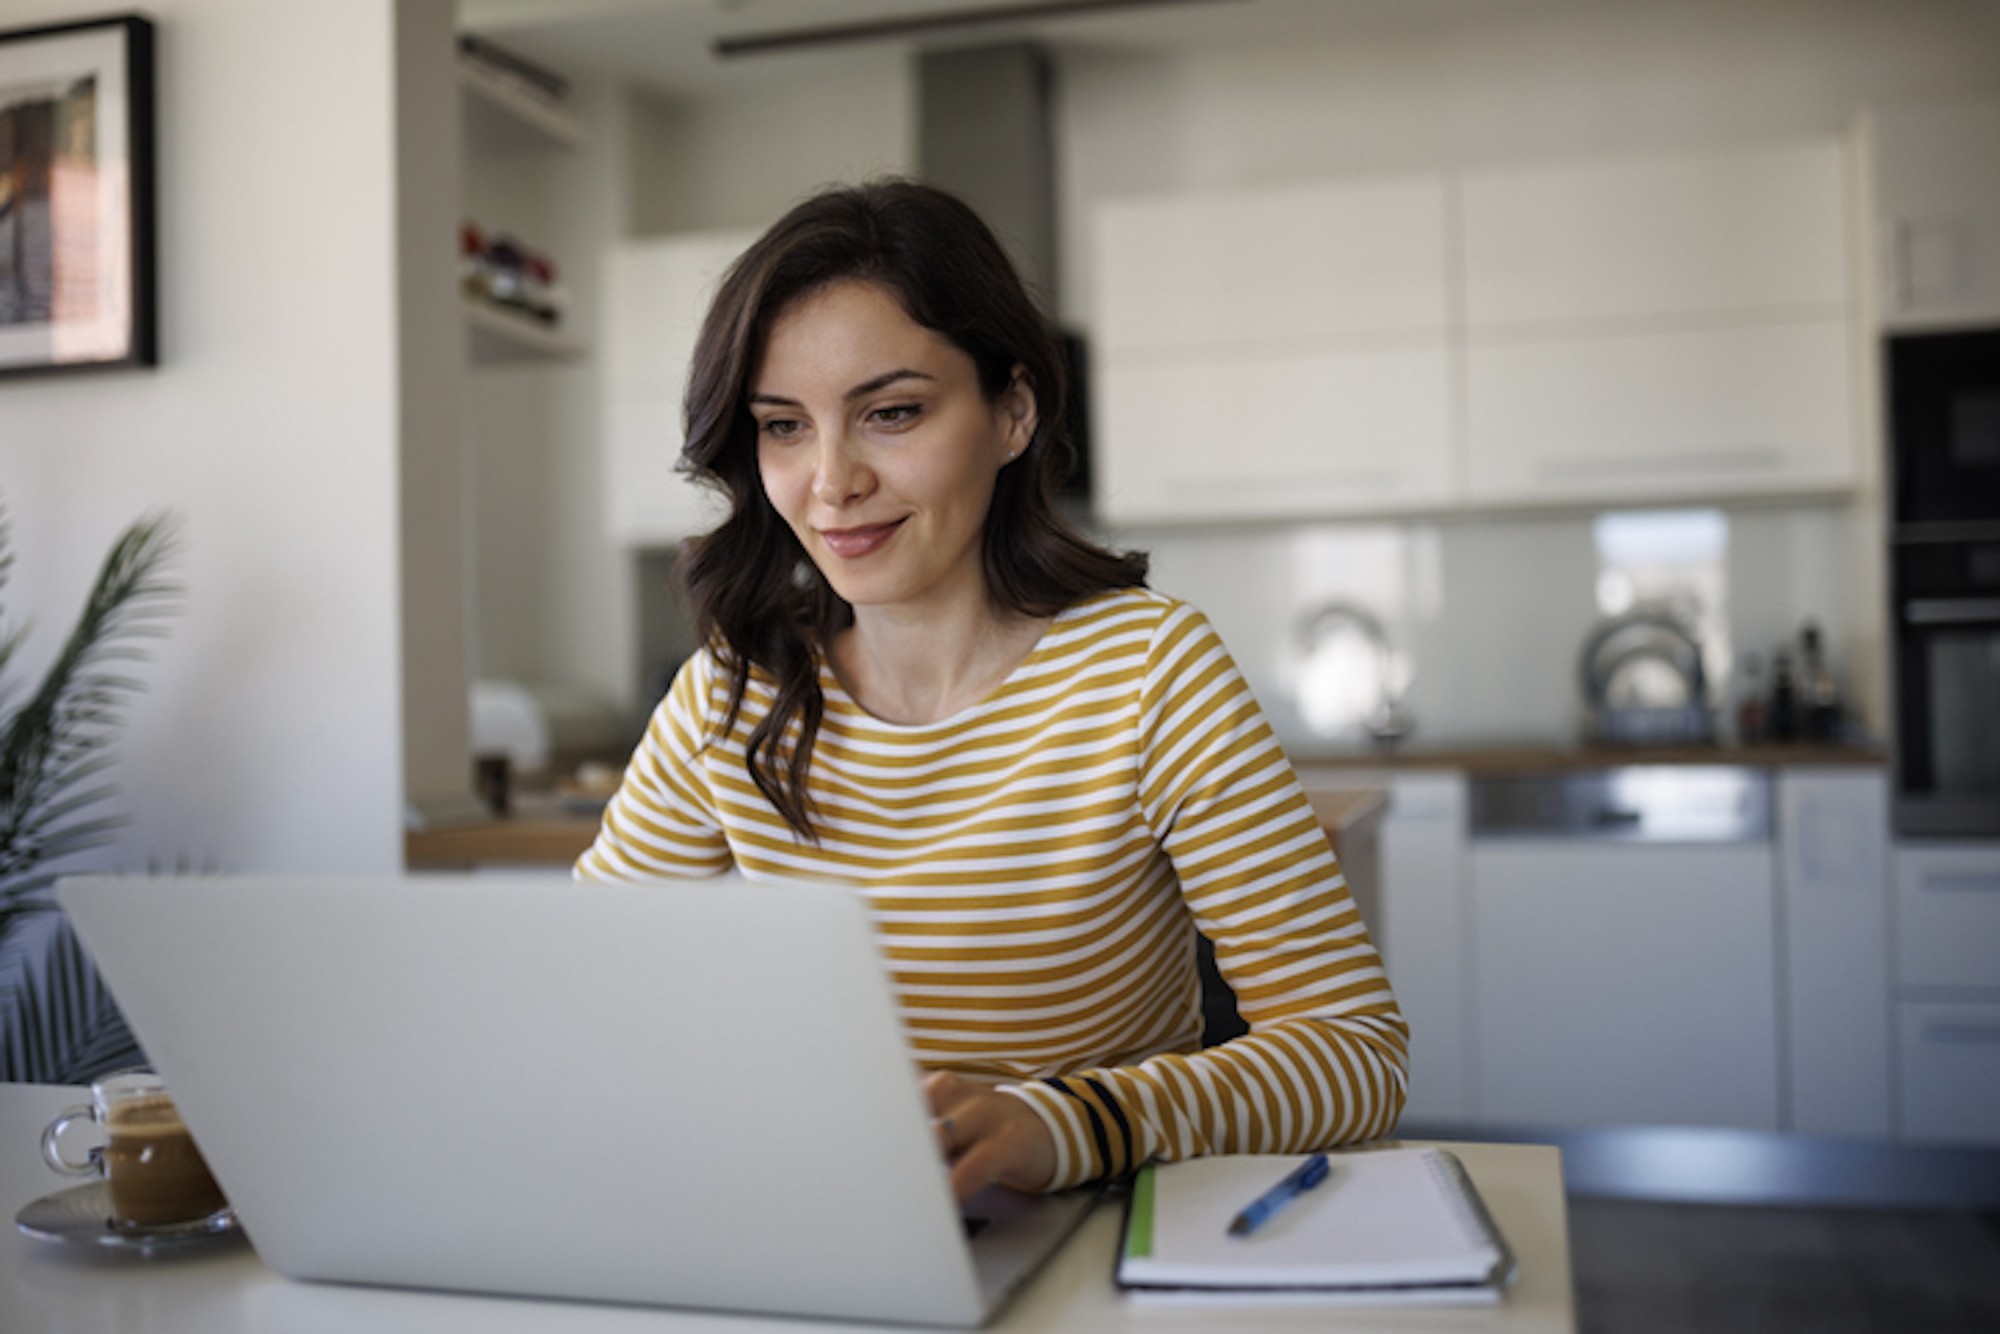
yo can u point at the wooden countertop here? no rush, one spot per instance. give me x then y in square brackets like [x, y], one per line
[529, 840]
[1347, 812]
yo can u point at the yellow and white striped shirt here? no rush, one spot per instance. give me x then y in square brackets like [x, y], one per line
[1037, 867]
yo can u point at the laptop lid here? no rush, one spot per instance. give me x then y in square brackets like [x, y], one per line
[695, 1095]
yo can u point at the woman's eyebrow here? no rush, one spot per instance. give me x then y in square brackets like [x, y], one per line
[883, 381]
[862, 390]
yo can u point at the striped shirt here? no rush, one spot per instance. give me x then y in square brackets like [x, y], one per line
[1037, 867]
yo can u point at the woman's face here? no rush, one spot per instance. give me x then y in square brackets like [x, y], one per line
[879, 449]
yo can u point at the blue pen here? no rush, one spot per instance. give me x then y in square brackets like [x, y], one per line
[1296, 1183]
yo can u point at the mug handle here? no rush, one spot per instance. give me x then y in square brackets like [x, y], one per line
[52, 1146]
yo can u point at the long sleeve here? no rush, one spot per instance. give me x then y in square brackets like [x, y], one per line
[662, 823]
[1326, 1058]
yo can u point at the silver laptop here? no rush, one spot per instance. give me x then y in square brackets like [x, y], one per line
[693, 1096]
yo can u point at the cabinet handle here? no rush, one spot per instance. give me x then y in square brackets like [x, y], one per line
[1750, 459]
[1961, 882]
[1899, 266]
[1962, 1032]
[1952, 611]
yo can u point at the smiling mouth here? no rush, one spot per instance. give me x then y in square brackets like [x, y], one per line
[853, 542]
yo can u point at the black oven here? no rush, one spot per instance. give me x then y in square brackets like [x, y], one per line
[1944, 427]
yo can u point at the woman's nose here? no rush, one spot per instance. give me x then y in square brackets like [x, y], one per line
[839, 475]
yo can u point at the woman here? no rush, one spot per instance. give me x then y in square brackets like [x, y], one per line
[1043, 776]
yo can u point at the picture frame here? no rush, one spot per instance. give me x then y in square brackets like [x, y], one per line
[77, 197]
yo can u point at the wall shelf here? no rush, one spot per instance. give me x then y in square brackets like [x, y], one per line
[502, 117]
[496, 335]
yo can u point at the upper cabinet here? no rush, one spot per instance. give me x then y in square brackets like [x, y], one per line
[1634, 330]
[1691, 239]
[1659, 328]
[655, 295]
[1936, 199]
[1272, 354]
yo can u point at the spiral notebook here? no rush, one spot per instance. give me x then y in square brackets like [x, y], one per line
[1387, 1226]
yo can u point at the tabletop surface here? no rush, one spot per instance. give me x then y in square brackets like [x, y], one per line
[52, 1285]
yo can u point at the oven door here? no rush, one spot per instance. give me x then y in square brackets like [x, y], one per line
[1948, 689]
[1944, 405]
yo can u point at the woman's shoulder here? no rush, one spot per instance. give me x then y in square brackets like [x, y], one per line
[1126, 629]
[703, 683]
[1132, 610]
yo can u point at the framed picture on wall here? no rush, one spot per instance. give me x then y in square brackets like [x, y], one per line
[76, 197]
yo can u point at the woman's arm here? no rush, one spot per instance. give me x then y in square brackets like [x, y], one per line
[1326, 1058]
[662, 822]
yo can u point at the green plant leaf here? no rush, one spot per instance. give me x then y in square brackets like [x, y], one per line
[55, 744]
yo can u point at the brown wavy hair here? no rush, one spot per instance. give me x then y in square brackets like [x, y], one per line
[757, 598]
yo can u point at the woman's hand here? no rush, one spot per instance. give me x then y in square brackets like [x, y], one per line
[988, 1136]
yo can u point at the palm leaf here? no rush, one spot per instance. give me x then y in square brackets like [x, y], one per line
[58, 1021]
[57, 741]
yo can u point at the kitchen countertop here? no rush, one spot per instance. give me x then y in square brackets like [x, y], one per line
[1514, 757]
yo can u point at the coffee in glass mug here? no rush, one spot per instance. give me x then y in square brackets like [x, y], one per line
[151, 1168]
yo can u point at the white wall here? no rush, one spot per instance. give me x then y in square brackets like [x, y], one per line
[269, 735]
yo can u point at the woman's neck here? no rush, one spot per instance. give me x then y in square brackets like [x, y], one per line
[912, 669]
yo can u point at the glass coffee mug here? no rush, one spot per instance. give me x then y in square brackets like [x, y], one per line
[153, 1171]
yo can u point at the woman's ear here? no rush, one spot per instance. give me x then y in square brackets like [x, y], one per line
[1017, 413]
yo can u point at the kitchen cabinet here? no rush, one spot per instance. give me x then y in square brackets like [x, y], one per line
[1273, 436]
[1947, 962]
[1936, 202]
[1947, 928]
[1623, 985]
[1627, 331]
[656, 293]
[1950, 1087]
[1662, 328]
[1422, 927]
[1689, 237]
[1638, 417]
[1833, 892]
[1424, 923]
[1277, 353]
[1359, 260]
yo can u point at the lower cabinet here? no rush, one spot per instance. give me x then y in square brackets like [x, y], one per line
[1950, 1059]
[1624, 985]
[1422, 928]
[1833, 843]
[1947, 955]
[1424, 937]
[1824, 981]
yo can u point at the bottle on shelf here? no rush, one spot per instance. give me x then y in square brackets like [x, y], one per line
[1750, 701]
[1819, 696]
[1781, 719]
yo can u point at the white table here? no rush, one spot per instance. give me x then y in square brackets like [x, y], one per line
[48, 1286]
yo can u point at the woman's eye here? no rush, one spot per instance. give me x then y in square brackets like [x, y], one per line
[896, 414]
[778, 428]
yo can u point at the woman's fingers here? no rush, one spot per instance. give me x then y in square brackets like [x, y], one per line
[988, 1137]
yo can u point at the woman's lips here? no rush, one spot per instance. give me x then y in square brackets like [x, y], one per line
[849, 543]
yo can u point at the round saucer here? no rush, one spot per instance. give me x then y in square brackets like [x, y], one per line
[83, 1214]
